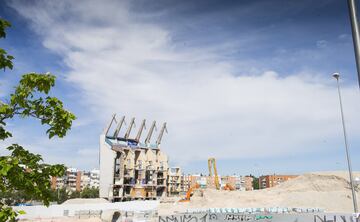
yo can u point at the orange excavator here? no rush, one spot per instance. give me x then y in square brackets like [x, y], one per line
[228, 187]
[189, 193]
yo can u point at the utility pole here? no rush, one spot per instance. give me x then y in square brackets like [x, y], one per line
[337, 76]
[355, 34]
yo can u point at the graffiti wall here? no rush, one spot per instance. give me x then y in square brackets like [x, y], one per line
[225, 217]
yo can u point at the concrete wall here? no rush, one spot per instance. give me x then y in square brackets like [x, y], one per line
[265, 217]
[61, 210]
[107, 158]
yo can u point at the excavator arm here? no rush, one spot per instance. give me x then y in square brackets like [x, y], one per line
[212, 165]
[189, 192]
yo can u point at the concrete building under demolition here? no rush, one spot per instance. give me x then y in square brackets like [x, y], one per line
[131, 169]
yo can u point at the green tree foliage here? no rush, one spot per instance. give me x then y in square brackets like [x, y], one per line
[21, 171]
[13, 198]
[74, 194]
[5, 59]
[255, 182]
[63, 195]
[89, 192]
[59, 195]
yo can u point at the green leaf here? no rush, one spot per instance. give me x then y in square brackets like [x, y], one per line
[21, 212]
[23, 175]
[3, 26]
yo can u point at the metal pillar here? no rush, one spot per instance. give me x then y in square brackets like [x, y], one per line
[355, 34]
[337, 76]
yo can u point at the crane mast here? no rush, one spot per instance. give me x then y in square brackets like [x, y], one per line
[151, 130]
[132, 122]
[117, 131]
[163, 128]
[140, 130]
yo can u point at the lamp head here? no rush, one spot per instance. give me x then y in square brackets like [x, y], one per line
[336, 75]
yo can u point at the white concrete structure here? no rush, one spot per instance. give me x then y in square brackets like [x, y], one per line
[107, 158]
[55, 211]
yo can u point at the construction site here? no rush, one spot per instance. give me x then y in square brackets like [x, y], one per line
[137, 183]
[136, 169]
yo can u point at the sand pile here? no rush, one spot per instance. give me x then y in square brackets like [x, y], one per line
[314, 182]
[329, 191]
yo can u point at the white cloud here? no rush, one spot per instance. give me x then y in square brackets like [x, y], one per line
[321, 44]
[128, 66]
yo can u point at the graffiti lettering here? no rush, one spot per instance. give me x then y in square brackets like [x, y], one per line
[183, 218]
[260, 217]
[335, 218]
[213, 217]
[238, 217]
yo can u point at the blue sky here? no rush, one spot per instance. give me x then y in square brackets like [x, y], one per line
[246, 82]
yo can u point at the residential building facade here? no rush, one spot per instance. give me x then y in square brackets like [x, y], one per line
[76, 180]
[174, 181]
[268, 181]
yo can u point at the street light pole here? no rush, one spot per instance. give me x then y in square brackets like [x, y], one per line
[337, 76]
[355, 34]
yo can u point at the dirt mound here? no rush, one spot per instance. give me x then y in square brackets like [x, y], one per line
[329, 191]
[314, 182]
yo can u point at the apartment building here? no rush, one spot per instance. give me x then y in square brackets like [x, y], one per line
[248, 183]
[85, 180]
[130, 169]
[174, 181]
[58, 182]
[71, 180]
[94, 178]
[242, 183]
[75, 180]
[268, 181]
[185, 183]
[238, 182]
[229, 180]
